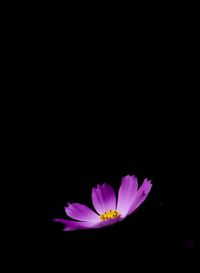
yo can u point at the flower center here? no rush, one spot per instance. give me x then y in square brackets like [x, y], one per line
[111, 214]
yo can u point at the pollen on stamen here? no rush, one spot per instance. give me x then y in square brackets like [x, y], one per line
[111, 214]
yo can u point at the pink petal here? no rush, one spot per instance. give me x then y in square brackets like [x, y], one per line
[103, 198]
[108, 222]
[72, 225]
[127, 192]
[141, 195]
[81, 212]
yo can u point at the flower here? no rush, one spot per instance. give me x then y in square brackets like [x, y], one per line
[109, 210]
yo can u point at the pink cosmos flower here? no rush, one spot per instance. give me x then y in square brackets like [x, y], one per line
[109, 210]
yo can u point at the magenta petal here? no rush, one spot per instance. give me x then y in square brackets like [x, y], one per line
[107, 222]
[81, 212]
[141, 195]
[72, 225]
[103, 198]
[127, 192]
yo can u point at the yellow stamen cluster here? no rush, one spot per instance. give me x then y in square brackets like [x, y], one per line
[111, 214]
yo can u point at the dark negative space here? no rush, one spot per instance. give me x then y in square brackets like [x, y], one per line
[61, 168]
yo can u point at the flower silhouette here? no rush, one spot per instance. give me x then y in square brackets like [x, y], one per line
[109, 209]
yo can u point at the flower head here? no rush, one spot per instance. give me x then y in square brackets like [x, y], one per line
[108, 209]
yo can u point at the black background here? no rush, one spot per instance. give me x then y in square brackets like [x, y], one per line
[62, 163]
[93, 115]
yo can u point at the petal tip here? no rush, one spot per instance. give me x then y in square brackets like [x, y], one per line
[128, 176]
[146, 180]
